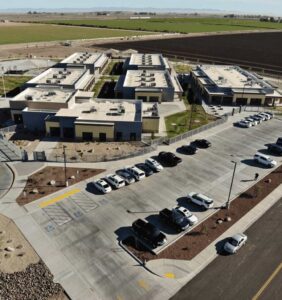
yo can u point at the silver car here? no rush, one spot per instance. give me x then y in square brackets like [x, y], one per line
[234, 243]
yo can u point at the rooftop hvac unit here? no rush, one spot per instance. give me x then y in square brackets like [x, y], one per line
[153, 84]
[28, 97]
[143, 84]
[58, 81]
[48, 81]
[60, 72]
[55, 76]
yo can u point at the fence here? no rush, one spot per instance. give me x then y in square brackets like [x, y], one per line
[196, 131]
[98, 158]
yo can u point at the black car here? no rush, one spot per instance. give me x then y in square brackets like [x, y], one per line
[202, 143]
[149, 233]
[147, 170]
[279, 141]
[169, 158]
[189, 149]
[275, 149]
[175, 219]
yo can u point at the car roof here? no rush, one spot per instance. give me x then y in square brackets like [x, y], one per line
[262, 155]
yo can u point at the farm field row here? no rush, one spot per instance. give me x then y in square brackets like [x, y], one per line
[183, 25]
[32, 33]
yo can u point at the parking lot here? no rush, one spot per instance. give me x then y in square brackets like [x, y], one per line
[86, 227]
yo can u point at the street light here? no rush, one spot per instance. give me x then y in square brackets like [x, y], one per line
[231, 185]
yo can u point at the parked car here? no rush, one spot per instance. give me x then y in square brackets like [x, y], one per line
[264, 160]
[136, 173]
[244, 124]
[192, 219]
[147, 170]
[189, 149]
[275, 149]
[279, 141]
[115, 180]
[202, 143]
[235, 242]
[258, 119]
[102, 186]
[126, 176]
[267, 116]
[149, 233]
[153, 164]
[263, 117]
[252, 121]
[169, 158]
[270, 114]
[201, 200]
[174, 218]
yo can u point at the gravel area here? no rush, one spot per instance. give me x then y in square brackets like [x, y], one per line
[202, 235]
[34, 283]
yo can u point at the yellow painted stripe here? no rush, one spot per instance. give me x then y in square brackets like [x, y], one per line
[143, 284]
[268, 281]
[169, 275]
[59, 198]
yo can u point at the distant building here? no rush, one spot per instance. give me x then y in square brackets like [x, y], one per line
[232, 85]
[94, 62]
[148, 86]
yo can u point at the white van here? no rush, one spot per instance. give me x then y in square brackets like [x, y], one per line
[264, 160]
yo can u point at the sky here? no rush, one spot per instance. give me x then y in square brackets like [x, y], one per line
[251, 6]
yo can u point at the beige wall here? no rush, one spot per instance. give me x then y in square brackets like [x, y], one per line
[150, 125]
[49, 124]
[148, 95]
[46, 105]
[95, 130]
[249, 97]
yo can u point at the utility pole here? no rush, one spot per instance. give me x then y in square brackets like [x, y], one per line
[231, 185]
[65, 165]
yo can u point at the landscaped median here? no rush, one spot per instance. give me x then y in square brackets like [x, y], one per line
[196, 240]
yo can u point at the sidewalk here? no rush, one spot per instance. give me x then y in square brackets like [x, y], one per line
[183, 271]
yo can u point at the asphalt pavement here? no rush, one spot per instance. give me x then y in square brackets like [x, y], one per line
[255, 272]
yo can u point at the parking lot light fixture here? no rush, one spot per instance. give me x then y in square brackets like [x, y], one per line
[231, 185]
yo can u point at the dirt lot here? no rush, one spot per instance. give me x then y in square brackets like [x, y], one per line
[253, 49]
[39, 184]
[201, 236]
[22, 274]
[95, 151]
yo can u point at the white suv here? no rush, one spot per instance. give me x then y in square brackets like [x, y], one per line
[136, 173]
[115, 181]
[102, 186]
[264, 160]
[153, 164]
[201, 200]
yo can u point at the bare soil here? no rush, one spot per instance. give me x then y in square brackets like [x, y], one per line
[205, 233]
[38, 184]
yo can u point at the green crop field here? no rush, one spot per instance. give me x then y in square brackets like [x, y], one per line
[42, 33]
[184, 25]
[12, 82]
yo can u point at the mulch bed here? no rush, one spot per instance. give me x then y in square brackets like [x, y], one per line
[205, 233]
[38, 185]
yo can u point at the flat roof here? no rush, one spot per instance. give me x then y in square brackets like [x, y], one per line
[139, 59]
[147, 79]
[37, 94]
[59, 76]
[84, 58]
[104, 111]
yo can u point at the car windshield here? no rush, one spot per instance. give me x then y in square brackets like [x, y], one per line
[233, 242]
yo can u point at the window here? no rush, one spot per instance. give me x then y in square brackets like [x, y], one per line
[143, 98]
[154, 99]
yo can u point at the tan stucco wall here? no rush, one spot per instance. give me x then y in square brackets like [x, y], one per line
[249, 97]
[150, 125]
[95, 130]
[49, 124]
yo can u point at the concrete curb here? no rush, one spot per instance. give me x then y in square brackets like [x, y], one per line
[13, 179]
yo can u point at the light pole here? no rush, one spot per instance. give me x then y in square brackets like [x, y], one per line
[65, 165]
[231, 185]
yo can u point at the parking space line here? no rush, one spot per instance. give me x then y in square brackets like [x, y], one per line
[59, 198]
[169, 275]
[268, 281]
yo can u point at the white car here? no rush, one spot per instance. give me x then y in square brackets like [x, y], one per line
[136, 173]
[201, 200]
[115, 180]
[244, 123]
[235, 243]
[251, 120]
[264, 160]
[192, 219]
[267, 116]
[102, 186]
[153, 164]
